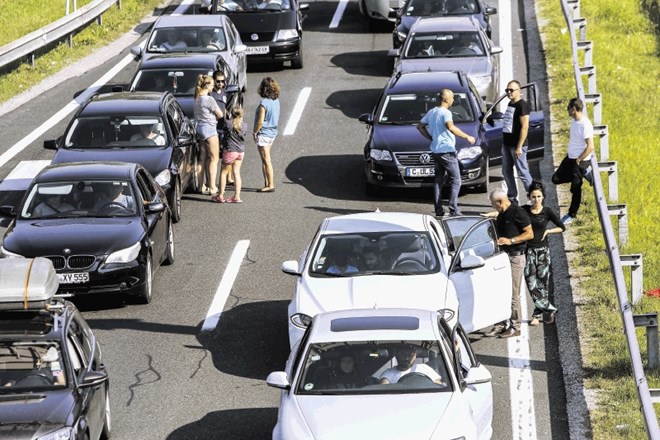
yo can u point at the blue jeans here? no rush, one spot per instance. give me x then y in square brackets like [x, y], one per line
[509, 159]
[446, 164]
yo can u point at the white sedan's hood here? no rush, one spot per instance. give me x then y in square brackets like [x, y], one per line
[382, 417]
[318, 295]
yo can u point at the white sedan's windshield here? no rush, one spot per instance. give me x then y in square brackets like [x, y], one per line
[375, 367]
[395, 253]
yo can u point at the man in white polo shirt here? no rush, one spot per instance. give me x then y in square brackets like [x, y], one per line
[580, 146]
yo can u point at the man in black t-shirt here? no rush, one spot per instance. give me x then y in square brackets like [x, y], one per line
[514, 228]
[218, 93]
[514, 140]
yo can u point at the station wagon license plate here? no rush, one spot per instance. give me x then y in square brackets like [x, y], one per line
[257, 50]
[420, 172]
[73, 278]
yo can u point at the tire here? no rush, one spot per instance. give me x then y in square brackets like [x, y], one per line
[146, 290]
[169, 253]
[483, 187]
[107, 422]
[176, 201]
[195, 163]
[297, 62]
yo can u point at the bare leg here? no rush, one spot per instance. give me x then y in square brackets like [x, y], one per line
[238, 182]
[230, 175]
[214, 157]
[266, 167]
[224, 172]
[201, 173]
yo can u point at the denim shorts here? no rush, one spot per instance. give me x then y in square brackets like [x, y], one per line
[205, 131]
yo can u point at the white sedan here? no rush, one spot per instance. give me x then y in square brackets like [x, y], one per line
[387, 374]
[392, 259]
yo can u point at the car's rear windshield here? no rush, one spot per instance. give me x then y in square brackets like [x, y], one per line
[116, 131]
[187, 39]
[411, 108]
[444, 45]
[382, 253]
[181, 82]
[439, 8]
[248, 6]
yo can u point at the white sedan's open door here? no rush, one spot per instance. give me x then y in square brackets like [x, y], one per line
[480, 272]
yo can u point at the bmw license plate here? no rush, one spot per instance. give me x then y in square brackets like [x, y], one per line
[73, 278]
[420, 172]
[257, 50]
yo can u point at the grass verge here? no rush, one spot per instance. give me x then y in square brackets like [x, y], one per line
[115, 23]
[625, 49]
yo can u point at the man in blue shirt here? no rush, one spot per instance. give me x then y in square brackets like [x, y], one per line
[438, 127]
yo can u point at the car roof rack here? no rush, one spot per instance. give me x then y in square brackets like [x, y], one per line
[28, 284]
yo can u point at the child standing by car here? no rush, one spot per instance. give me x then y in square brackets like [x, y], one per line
[233, 151]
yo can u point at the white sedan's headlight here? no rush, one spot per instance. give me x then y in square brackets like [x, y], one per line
[60, 434]
[4, 253]
[481, 81]
[286, 34]
[124, 255]
[163, 178]
[377, 154]
[469, 152]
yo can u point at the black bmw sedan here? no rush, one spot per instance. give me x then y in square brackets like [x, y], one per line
[147, 128]
[106, 226]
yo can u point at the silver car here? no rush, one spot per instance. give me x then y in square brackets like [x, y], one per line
[451, 43]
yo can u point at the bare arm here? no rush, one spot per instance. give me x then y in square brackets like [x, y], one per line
[526, 235]
[524, 129]
[587, 150]
[422, 129]
[458, 132]
[259, 121]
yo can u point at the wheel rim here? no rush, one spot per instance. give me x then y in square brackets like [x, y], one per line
[108, 415]
[147, 280]
[170, 239]
[177, 198]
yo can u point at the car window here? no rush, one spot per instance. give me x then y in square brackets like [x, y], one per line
[83, 198]
[247, 6]
[84, 334]
[26, 365]
[360, 367]
[426, 8]
[178, 81]
[444, 45]
[187, 39]
[146, 187]
[384, 253]
[481, 241]
[410, 108]
[73, 350]
[115, 132]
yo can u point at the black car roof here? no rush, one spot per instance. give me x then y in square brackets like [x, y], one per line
[123, 103]
[88, 171]
[181, 61]
[414, 82]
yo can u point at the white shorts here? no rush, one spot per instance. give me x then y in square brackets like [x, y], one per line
[264, 141]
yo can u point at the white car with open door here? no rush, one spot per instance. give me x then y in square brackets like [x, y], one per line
[387, 374]
[393, 259]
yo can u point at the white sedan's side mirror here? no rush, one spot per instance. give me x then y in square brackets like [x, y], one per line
[475, 376]
[278, 379]
[290, 267]
[471, 261]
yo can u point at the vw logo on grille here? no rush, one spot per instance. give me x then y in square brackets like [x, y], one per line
[67, 251]
[254, 37]
[425, 158]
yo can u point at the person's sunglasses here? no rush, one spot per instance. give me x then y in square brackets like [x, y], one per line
[510, 90]
[220, 81]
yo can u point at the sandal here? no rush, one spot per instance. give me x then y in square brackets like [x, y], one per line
[234, 200]
[218, 198]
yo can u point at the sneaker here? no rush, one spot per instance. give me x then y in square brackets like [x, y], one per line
[205, 190]
[567, 219]
[535, 321]
[455, 214]
[510, 333]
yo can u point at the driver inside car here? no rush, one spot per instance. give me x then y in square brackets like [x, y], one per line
[113, 195]
[405, 364]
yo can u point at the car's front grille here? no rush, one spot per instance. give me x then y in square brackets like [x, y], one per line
[414, 159]
[72, 262]
[261, 37]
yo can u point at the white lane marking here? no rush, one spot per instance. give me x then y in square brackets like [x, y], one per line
[521, 387]
[225, 286]
[339, 13]
[64, 112]
[297, 111]
[183, 7]
[27, 169]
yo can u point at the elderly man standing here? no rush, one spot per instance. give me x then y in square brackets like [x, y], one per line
[514, 228]
[438, 126]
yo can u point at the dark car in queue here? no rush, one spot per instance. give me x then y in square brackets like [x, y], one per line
[53, 382]
[106, 226]
[397, 155]
[109, 127]
[412, 10]
[271, 29]
[177, 73]
[191, 34]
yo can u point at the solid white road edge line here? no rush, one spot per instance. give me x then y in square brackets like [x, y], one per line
[183, 7]
[339, 13]
[225, 286]
[297, 111]
[521, 387]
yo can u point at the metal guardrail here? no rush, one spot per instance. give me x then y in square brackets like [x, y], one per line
[646, 396]
[66, 26]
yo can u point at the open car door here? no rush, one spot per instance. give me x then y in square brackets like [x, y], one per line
[480, 271]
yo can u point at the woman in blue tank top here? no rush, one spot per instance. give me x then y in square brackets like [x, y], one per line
[266, 118]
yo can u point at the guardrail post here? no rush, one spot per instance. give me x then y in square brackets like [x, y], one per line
[575, 4]
[588, 48]
[650, 321]
[612, 179]
[581, 24]
[69, 40]
[636, 263]
[655, 395]
[621, 211]
[590, 71]
[596, 99]
[603, 140]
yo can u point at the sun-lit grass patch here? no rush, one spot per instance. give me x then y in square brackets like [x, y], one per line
[628, 73]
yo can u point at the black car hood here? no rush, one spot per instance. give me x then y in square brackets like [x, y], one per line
[258, 22]
[88, 236]
[22, 415]
[187, 104]
[407, 138]
[154, 160]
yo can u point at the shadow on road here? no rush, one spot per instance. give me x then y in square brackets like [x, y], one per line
[353, 103]
[371, 63]
[245, 424]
